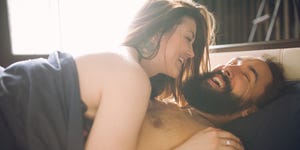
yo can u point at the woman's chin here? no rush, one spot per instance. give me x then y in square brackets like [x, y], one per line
[175, 74]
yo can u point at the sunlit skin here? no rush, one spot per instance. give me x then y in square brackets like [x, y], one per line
[176, 48]
[248, 77]
[182, 42]
[100, 95]
[166, 125]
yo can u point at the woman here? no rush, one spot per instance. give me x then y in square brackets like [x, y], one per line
[167, 42]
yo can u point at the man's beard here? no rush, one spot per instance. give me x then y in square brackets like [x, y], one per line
[200, 95]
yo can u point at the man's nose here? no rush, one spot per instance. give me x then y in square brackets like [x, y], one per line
[231, 70]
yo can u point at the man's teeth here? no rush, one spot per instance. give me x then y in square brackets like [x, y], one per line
[218, 82]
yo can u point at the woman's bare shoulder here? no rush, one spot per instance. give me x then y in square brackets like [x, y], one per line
[123, 59]
[119, 72]
[104, 65]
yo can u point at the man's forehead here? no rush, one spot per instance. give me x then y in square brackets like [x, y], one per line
[264, 78]
[248, 58]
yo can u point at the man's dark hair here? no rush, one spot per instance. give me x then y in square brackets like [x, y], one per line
[273, 89]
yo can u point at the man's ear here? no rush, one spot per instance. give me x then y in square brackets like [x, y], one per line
[248, 111]
[221, 119]
[243, 113]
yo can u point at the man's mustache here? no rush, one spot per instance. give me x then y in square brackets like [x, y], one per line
[200, 95]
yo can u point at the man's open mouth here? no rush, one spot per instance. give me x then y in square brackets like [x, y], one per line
[218, 82]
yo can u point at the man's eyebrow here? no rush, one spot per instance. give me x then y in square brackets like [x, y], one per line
[254, 72]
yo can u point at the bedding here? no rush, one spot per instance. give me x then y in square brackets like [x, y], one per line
[274, 127]
[40, 105]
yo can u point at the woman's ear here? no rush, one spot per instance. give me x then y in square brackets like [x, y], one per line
[153, 42]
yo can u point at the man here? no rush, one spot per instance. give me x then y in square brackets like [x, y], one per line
[244, 83]
[228, 92]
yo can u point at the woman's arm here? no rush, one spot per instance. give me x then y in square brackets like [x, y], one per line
[212, 139]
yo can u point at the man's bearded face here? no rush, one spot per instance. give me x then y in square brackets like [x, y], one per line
[200, 92]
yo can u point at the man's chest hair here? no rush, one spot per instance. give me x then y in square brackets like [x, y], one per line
[166, 125]
[169, 115]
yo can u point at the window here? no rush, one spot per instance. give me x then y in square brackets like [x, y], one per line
[75, 26]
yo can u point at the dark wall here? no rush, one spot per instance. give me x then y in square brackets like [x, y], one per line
[6, 56]
[234, 20]
[4, 34]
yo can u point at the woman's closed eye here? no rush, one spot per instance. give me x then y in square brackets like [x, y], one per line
[189, 39]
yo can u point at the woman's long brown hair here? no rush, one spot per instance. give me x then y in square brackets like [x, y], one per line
[158, 17]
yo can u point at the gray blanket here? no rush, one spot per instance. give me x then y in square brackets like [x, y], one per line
[40, 104]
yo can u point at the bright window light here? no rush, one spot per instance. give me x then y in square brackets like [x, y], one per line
[75, 26]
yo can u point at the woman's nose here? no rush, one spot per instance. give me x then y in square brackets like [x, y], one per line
[190, 53]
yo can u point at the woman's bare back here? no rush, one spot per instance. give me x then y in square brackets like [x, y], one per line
[113, 86]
